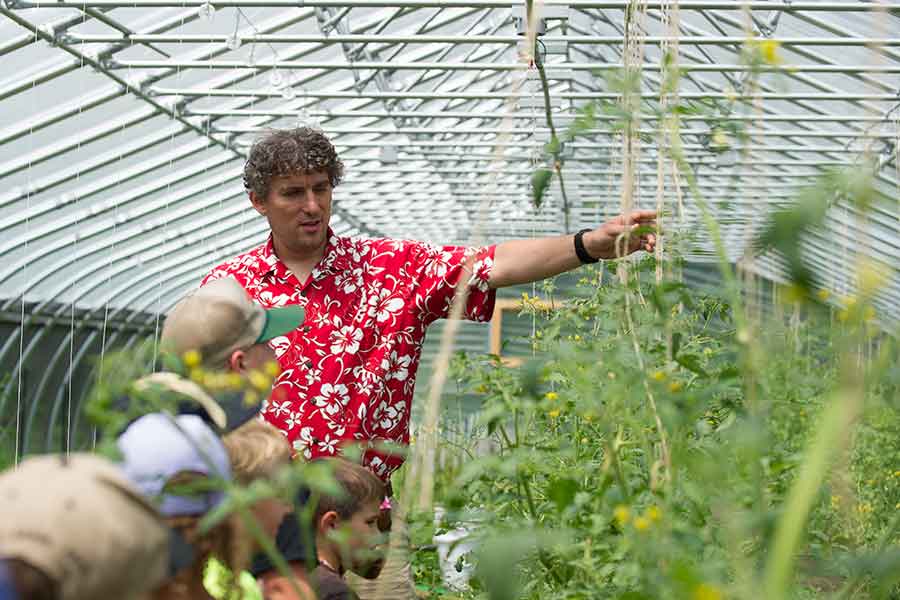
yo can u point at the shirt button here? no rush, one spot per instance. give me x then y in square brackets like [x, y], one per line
[309, 364]
[306, 329]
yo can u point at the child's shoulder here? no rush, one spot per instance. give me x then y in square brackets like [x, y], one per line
[331, 586]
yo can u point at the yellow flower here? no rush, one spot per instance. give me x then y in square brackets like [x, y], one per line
[215, 381]
[611, 375]
[793, 294]
[835, 501]
[584, 440]
[720, 138]
[823, 295]
[843, 315]
[654, 513]
[705, 591]
[251, 398]
[869, 314]
[234, 381]
[589, 417]
[551, 396]
[481, 388]
[258, 380]
[191, 359]
[871, 277]
[642, 523]
[577, 338]
[864, 508]
[658, 375]
[730, 94]
[675, 387]
[622, 515]
[553, 413]
[272, 369]
[768, 50]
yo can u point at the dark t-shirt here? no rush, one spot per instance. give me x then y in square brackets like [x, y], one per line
[331, 586]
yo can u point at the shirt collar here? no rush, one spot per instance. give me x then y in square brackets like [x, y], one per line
[335, 259]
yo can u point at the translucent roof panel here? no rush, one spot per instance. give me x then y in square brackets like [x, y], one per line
[126, 124]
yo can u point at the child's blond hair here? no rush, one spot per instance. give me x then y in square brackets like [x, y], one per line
[257, 451]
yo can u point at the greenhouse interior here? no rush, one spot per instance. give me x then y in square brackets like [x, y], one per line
[655, 246]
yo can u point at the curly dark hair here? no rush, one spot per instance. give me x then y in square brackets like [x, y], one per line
[287, 152]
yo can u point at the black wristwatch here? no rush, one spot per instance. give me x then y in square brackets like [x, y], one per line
[581, 251]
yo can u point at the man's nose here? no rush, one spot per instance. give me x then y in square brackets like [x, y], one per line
[310, 202]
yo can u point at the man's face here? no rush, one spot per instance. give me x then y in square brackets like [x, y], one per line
[366, 542]
[298, 209]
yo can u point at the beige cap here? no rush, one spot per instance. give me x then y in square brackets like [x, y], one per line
[220, 317]
[81, 523]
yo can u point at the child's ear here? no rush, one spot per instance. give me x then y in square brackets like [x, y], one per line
[329, 521]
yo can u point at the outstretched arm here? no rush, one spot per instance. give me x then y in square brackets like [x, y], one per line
[524, 261]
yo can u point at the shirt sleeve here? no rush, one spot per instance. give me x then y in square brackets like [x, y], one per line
[437, 271]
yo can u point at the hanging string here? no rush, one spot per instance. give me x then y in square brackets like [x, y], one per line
[531, 82]
[29, 189]
[159, 278]
[71, 377]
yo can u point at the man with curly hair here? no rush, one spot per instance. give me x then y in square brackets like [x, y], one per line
[349, 371]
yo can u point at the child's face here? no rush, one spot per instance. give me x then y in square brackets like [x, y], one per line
[365, 550]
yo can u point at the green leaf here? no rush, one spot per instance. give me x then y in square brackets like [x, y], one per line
[691, 363]
[562, 492]
[540, 181]
[554, 146]
[676, 344]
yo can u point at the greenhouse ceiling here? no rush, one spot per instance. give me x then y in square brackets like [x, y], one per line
[125, 125]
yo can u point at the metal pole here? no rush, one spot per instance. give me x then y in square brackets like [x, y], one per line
[686, 5]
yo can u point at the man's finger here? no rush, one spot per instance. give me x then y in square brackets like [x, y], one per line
[641, 216]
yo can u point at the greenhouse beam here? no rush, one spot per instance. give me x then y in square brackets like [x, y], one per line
[275, 38]
[786, 6]
[113, 63]
[415, 95]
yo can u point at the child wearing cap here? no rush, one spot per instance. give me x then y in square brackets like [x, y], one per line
[74, 528]
[181, 465]
[220, 337]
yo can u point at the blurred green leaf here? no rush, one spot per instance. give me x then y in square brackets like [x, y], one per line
[540, 181]
[562, 492]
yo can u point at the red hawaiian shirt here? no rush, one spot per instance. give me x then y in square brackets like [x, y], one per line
[349, 372]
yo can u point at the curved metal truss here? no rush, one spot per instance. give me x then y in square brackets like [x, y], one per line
[125, 125]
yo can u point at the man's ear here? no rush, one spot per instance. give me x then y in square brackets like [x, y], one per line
[237, 362]
[258, 203]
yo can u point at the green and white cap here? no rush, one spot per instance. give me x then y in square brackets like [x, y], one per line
[219, 318]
